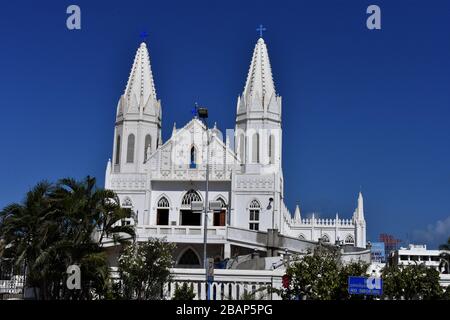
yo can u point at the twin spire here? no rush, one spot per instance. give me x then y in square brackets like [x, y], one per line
[140, 83]
[259, 91]
[259, 80]
[139, 97]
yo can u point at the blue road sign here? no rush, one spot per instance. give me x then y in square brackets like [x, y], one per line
[368, 286]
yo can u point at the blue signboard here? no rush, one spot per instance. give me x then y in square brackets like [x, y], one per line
[368, 286]
[377, 252]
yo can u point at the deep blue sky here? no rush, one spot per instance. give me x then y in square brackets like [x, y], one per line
[360, 108]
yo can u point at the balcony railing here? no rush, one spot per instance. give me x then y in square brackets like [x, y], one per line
[184, 232]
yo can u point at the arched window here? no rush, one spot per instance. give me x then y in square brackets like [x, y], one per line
[162, 212]
[190, 196]
[242, 148]
[349, 239]
[301, 237]
[118, 150]
[325, 238]
[163, 203]
[130, 149]
[127, 203]
[188, 217]
[255, 148]
[189, 258]
[193, 162]
[272, 149]
[254, 210]
[219, 216]
[147, 146]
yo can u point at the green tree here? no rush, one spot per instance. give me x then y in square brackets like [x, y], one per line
[60, 225]
[144, 269]
[411, 282]
[184, 292]
[314, 276]
[356, 269]
[321, 276]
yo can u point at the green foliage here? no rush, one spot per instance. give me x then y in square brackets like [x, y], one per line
[259, 294]
[184, 292]
[321, 276]
[62, 224]
[411, 282]
[144, 268]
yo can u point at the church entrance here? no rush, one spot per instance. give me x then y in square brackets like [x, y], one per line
[190, 218]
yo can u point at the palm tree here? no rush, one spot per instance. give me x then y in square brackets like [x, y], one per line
[60, 225]
[90, 214]
[25, 231]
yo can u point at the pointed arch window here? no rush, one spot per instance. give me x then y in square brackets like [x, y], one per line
[220, 215]
[349, 240]
[242, 148]
[188, 217]
[190, 196]
[325, 238]
[162, 212]
[130, 149]
[118, 150]
[189, 258]
[193, 158]
[147, 146]
[126, 203]
[254, 210]
[272, 149]
[255, 148]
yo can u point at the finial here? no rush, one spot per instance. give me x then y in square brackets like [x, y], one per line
[261, 29]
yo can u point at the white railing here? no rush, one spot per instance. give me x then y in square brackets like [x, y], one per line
[182, 233]
[13, 286]
[228, 284]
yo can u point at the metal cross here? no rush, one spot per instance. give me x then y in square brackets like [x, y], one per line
[144, 35]
[194, 110]
[261, 29]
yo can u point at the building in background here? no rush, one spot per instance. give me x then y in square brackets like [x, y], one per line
[390, 242]
[419, 254]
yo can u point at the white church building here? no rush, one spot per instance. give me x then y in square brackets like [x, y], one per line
[164, 182]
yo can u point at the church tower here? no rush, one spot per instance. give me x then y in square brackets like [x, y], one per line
[258, 134]
[258, 145]
[137, 130]
[360, 223]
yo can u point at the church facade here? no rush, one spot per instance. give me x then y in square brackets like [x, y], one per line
[164, 182]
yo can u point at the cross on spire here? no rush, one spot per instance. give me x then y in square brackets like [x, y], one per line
[261, 29]
[144, 35]
[194, 109]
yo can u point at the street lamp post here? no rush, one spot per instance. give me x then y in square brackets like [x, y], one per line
[203, 114]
